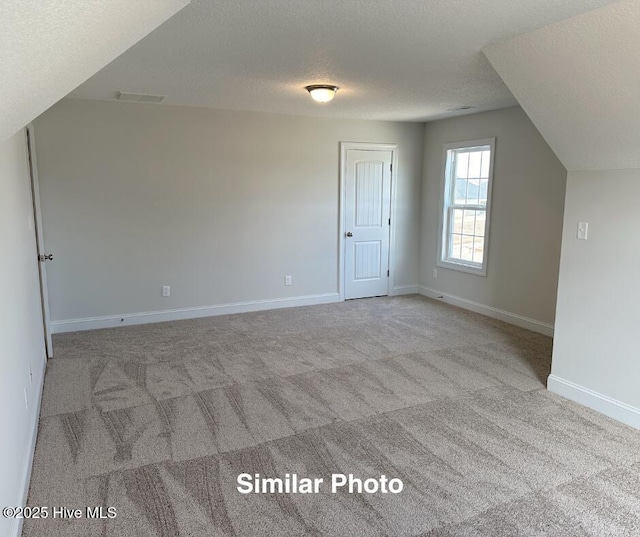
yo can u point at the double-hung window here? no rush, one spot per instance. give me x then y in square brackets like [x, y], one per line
[468, 176]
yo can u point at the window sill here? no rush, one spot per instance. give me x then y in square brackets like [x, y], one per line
[461, 267]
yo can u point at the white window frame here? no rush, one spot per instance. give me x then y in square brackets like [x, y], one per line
[444, 234]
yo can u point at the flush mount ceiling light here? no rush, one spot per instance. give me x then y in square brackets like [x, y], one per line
[322, 93]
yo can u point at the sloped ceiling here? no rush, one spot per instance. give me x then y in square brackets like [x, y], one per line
[579, 82]
[49, 48]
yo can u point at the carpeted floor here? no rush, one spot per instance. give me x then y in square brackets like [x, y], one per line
[159, 420]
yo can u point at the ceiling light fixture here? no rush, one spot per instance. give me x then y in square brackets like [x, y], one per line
[322, 93]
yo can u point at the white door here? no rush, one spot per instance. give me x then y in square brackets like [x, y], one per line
[43, 257]
[367, 222]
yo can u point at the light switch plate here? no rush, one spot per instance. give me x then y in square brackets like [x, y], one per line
[583, 231]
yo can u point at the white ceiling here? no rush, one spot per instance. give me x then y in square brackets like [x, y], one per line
[579, 82]
[48, 48]
[394, 60]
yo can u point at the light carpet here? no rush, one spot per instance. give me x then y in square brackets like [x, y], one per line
[159, 420]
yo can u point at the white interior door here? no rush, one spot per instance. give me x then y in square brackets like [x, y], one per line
[367, 222]
[43, 257]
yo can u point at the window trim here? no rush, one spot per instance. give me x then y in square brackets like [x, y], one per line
[443, 217]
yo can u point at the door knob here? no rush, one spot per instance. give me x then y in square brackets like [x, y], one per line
[48, 257]
[349, 234]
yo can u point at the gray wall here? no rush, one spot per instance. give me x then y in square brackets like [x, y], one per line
[596, 345]
[218, 204]
[526, 219]
[21, 334]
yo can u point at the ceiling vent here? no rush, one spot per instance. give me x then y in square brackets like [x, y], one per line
[140, 97]
[461, 108]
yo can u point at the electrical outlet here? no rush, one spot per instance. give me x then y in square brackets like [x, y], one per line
[166, 290]
[435, 272]
[287, 279]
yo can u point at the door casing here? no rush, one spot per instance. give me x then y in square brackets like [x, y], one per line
[37, 220]
[365, 146]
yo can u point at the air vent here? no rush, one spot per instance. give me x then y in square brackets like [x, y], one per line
[140, 97]
[460, 108]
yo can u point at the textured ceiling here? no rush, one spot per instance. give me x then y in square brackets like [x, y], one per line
[393, 60]
[48, 48]
[579, 82]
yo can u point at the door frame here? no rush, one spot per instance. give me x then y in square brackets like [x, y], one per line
[37, 221]
[365, 146]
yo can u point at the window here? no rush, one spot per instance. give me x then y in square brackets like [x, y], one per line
[468, 173]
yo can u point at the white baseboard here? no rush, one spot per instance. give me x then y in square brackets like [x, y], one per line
[404, 290]
[110, 321]
[613, 408]
[31, 449]
[489, 311]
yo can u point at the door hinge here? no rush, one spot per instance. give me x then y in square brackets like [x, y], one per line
[389, 221]
[387, 273]
[391, 168]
